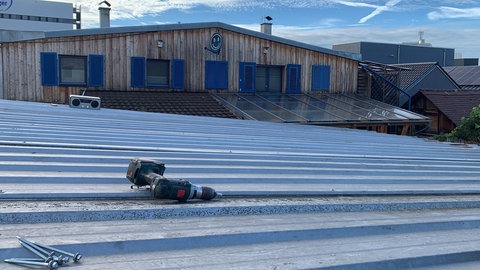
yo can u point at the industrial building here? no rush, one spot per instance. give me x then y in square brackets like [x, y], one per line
[37, 16]
[387, 53]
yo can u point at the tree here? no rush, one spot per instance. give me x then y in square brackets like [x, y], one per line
[469, 129]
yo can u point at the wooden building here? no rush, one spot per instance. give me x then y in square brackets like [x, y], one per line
[200, 57]
[445, 108]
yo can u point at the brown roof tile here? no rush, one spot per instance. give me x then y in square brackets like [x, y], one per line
[454, 104]
[187, 103]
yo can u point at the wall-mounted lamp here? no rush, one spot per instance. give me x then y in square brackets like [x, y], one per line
[266, 50]
[160, 43]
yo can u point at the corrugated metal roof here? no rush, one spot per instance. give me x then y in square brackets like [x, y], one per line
[296, 196]
[466, 76]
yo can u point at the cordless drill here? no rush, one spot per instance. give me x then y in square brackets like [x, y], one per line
[146, 172]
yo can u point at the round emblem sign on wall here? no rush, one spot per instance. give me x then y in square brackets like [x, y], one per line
[5, 4]
[216, 42]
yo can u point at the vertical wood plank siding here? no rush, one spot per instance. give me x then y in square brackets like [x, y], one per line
[21, 72]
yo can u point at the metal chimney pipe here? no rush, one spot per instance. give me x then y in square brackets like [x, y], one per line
[104, 17]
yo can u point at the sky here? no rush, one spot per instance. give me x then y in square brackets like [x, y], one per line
[445, 23]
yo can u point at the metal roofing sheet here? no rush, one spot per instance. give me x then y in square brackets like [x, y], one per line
[58, 163]
[465, 75]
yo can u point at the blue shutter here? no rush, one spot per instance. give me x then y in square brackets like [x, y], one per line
[95, 70]
[247, 77]
[138, 71]
[49, 66]
[178, 73]
[320, 77]
[293, 79]
[216, 74]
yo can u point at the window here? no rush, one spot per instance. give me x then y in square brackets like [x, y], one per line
[157, 73]
[73, 70]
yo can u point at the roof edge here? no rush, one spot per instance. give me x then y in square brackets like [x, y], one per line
[186, 26]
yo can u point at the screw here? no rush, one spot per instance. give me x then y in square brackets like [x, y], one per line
[76, 257]
[28, 259]
[38, 253]
[45, 254]
[50, 264]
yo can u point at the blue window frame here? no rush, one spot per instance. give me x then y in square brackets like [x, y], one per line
[138, 74]
[49, 66]
[320, 77]
[247, 77]
[71, 69]
[95, 70]
[293, 79]
[156, 72]
[216, 75]
[178, 73]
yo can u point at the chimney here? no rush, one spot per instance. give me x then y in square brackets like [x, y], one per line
[104, 14]
[266, 27]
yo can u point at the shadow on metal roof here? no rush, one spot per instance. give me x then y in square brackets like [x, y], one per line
[318, 109]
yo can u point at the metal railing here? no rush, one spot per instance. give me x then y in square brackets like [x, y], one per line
[393, 92]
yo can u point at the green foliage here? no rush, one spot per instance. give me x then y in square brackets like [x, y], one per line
[469, 129]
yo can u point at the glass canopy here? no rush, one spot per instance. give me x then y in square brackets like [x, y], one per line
[328, 109]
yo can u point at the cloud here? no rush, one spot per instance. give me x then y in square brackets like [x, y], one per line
[454, 13]
[377, 9]
[388, 6]
[356, 4]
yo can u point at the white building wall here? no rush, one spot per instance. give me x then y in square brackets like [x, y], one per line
[35, 15]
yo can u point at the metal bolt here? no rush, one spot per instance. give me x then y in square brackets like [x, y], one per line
[76, 257]
[50, 264]
[48, 254]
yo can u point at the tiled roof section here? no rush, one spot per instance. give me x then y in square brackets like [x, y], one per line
[454, 104]
[414, 73]
[186, 103]
[468, 77]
